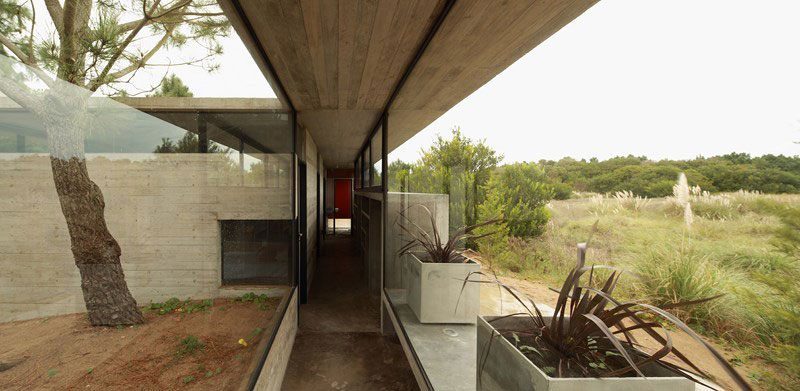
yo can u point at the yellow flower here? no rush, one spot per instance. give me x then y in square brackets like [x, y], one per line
[180, 310]
[242, 342]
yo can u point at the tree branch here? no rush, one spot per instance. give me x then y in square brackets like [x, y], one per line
[21, 94]
[143, 61]
[56, 14]
[16, 50]
[31, 53]
[148, 20]
[100, 79]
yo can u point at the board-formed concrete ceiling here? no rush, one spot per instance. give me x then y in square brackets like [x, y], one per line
[340, 61]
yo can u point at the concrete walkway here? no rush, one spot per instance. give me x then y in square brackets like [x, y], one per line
[339, 345]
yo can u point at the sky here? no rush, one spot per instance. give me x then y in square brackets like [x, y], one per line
[665, 79]
[661, 78]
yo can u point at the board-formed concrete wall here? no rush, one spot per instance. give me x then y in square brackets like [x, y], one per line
[274, 369]
[313, 168]
[163, 209]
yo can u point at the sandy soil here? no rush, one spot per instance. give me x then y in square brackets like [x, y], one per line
[682, 341]
[65, 352]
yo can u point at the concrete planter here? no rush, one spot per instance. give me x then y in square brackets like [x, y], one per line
[434, 289]
[506, 368]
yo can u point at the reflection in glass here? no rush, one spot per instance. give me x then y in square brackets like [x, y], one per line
[92, 187]
[376, 148]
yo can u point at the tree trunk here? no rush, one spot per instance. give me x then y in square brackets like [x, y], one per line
[96, 252]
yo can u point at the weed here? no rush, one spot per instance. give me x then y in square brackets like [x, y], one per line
[188, 379]
[52, 372]
[90, 370]
[263, 301]
[189, 345]
[176, 305]
[255, 332]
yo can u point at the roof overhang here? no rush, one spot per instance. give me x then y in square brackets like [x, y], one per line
[339, 63]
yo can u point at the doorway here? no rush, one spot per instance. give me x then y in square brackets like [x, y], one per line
[339, 222]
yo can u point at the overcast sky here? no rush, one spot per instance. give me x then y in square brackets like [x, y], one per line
[661, 78]
[665, 79]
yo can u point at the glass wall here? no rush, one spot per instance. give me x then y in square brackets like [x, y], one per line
[167, 182]
[365, 168]
[376, 147]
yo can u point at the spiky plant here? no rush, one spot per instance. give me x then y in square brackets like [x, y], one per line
[438, 251]
[581, 338]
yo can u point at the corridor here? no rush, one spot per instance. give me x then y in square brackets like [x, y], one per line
[339, 345]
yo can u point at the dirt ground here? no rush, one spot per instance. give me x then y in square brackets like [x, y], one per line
[66, 353]
[695, 352]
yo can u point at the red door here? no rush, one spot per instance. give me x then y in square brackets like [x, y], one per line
[341, 198]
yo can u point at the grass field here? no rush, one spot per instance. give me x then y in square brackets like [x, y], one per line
[728, 248]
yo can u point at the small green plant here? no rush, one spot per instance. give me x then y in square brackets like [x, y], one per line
[263, 301]
[189, 345]
[188, 379]
[209, 373]
[52, 372]
[176, 305]
[90, 370]
[255, 333]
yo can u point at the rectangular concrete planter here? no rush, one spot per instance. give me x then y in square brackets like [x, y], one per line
[502, 366]
[434, 289]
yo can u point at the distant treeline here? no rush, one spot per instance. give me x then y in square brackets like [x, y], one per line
[731, 172]
[481, 187]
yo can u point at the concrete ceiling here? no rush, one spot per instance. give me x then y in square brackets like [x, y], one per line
[339, 61]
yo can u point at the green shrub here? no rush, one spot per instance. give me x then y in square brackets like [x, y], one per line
[715, 209]
[561, 191]
[779, 306]
[674, 274]
[518, 193]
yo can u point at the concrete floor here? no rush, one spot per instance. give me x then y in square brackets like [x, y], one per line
[339, 345]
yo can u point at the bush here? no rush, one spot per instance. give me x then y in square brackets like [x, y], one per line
[561, 191]
[678, 274]
[780, 306]
[518, 193]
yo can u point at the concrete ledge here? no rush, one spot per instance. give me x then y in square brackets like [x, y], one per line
[279, 347]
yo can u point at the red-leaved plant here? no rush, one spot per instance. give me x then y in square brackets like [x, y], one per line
[586, 343]
[437, 250]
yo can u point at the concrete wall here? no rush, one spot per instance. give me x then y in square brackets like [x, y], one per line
[437, 203]
[271, 377]
[162, 209]
[313, 168]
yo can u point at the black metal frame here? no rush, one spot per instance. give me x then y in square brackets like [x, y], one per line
[381, 123]
[383, 120]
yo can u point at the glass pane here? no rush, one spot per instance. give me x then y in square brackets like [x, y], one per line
[253, 251]
[365, 158]
[377, 147]
[167, 179]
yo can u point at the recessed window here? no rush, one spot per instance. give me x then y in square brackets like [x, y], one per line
[255, 252]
